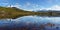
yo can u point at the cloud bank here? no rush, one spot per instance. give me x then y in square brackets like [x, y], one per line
[55, 7]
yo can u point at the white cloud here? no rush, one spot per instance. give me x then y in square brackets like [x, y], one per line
[28, 4]
[49, 1]
[3, 3]
[16, 5]
[55, 7]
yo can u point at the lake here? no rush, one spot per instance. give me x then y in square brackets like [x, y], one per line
[31, 23]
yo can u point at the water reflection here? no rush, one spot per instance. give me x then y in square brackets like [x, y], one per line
[31, 23]
[39, 19]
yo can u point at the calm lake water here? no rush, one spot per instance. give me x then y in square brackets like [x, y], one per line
[31, 22]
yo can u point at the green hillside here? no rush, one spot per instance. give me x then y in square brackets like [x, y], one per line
[13, 12]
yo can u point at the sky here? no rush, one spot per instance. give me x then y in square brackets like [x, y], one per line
[31, 5]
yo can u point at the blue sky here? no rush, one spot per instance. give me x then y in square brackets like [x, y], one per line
[32, 4]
